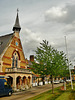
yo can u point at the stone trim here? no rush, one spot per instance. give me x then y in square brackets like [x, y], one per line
[17, 72]
[1, 64]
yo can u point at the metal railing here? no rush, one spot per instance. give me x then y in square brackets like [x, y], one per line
[14, 69]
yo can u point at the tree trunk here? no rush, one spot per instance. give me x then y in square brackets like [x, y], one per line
[52, 85]
[43, 80]
[38, 81]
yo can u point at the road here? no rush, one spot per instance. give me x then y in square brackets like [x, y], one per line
[30, 92]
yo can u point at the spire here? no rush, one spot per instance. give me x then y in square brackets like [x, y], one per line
[17, 25]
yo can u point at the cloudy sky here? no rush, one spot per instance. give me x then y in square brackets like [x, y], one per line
[41, 19]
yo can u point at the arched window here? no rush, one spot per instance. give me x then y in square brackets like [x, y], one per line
[15, 60]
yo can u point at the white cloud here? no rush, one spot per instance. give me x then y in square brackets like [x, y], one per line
[59, 14]
[28, 35]
[55, 13]
[30, 41]
[70, 28]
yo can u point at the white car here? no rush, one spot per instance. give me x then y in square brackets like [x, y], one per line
[68, 80]
[61, 81]
[56, 82]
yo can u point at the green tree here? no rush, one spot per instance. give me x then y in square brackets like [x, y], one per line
[49, 61]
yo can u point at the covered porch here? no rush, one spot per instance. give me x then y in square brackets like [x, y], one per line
[19, 79]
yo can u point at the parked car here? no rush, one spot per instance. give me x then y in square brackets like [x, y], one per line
[5, 89]
[61, 81]
[56, 82]
[68, 80]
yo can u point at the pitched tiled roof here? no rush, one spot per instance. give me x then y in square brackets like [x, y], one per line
[35, 75]
[4, 40]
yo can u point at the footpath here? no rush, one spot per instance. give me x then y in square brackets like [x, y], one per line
[24, 95]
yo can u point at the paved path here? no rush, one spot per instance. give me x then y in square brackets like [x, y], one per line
[30, 93]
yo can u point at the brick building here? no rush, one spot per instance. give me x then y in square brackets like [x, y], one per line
[12, 60]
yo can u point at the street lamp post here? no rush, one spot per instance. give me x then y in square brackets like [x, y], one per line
[68, 63]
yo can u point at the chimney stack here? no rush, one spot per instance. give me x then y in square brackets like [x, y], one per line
[32, 58]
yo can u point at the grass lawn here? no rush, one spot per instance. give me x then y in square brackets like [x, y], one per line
[59, 94]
